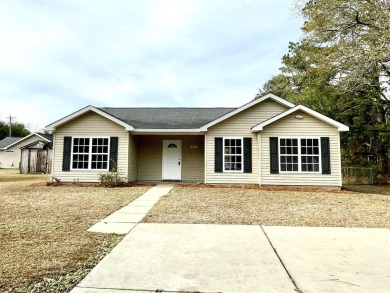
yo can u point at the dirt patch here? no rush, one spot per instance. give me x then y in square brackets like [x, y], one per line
[271, 207]
[43, 228]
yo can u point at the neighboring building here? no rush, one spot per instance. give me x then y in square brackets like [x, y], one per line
[268, 141]
[10, 152]
[36, 157]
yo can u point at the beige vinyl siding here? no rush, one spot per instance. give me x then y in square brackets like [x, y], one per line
[90, 124]
[289, 126]
[8, 158]
[150, 157]
[133, 159]
[239, 125]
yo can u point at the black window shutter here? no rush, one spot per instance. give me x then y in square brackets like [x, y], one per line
[247, 155]
[274, 155]
[325, 155]
[113, 152]
[218, 154]
[66, 153]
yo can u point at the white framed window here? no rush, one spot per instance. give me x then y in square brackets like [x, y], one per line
[90, 153]
[233, 157]
[299, 154]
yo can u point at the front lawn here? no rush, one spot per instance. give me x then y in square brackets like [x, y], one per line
[271, 207]
[43, 231]
[12, 175]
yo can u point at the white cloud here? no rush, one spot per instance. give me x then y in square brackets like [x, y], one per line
[59, 56]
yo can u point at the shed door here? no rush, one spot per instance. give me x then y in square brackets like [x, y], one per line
[171, 169]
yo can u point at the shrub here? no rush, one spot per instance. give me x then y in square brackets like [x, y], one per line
[112, 179]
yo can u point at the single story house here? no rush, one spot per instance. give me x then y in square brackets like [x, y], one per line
[10, 148]
[268, 141]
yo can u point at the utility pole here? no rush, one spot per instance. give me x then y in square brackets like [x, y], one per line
[10, 125]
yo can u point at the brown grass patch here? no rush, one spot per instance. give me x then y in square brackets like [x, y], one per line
[271, 207]
[376, 189]
[13, 175]
[43, 228]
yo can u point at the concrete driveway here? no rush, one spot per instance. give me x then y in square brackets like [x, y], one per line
[244, 258]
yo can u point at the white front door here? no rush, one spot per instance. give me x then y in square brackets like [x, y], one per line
[171, 160]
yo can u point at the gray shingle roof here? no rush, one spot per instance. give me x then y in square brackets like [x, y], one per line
[8, 141]
[167, 118]
[47, 136]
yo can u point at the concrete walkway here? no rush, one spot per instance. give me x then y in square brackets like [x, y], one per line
[124, 219]
[244, 258]
[329, 259]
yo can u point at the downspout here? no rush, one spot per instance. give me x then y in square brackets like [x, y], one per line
[53, 155]
[205, 158]
[259, 156]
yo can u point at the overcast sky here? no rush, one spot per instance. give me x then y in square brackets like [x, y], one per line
[59, 56]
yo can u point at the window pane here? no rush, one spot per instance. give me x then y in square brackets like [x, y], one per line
[233, 154]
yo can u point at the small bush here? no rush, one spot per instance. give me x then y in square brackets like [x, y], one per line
[112, 179]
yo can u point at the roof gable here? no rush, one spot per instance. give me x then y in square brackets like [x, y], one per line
[246, 106]
[80, 112]
[340, 126]
[16, 140]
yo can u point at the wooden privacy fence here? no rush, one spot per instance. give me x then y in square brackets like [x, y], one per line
[35, 159]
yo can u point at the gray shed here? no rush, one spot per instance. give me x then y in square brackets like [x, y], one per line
[36, 157]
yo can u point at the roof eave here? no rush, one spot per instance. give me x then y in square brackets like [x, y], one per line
[167, 131]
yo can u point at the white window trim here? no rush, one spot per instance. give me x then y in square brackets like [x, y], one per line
[242, 154]
[90, 154]
[300, 155]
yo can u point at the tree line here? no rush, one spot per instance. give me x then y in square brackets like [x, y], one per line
[17, 130]
[341, 68]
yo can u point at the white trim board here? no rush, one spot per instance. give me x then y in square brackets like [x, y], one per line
[340, 126]
[52, 127]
